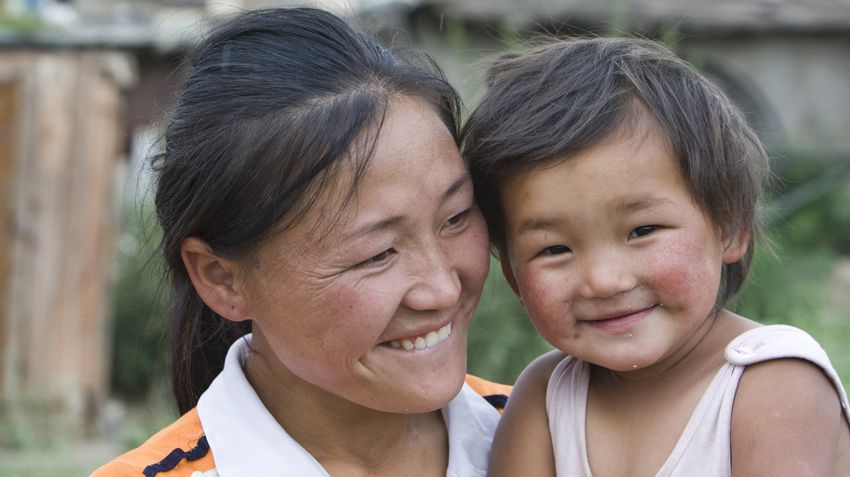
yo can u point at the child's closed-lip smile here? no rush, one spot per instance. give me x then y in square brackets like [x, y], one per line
[619, 322]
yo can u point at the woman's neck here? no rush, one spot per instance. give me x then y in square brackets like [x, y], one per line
[345, 437]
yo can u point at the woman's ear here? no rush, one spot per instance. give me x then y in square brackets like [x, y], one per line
[737, 245]
[215, 279]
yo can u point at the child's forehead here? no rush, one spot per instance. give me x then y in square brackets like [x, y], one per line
[627, 144]
[628, 172]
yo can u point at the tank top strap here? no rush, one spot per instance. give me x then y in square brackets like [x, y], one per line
[566, 404]
[782, 341]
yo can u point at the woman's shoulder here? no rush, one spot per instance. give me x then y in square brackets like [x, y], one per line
[181, 446]
[494, 393]
[484, 387]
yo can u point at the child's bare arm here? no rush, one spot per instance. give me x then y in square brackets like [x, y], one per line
[522, 445]
[786, 421]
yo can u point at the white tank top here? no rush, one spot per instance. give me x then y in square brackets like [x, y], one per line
[703, 449]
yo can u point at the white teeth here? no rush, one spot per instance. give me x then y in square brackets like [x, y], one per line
[432, 338]
[444, 332]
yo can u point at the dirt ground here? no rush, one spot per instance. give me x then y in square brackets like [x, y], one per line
[78, 459]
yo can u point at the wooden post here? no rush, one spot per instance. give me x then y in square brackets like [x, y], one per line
[8, 95]
[66, 123]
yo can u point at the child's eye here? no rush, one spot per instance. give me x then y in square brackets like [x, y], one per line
[555, 250]
[643, 230]
[378, 260]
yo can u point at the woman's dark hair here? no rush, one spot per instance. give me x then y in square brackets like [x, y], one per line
[278, 103]
[557, 99]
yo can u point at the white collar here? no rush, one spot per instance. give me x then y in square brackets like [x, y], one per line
[247, 440]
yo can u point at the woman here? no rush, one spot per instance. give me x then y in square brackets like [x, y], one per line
[311, 193]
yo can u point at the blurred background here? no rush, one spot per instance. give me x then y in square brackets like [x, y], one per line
[85, 84]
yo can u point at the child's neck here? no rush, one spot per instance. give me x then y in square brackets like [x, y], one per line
[653, 406]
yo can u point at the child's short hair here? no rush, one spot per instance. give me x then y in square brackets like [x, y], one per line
[560, 98]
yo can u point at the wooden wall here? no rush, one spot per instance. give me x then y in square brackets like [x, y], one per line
[60, 140]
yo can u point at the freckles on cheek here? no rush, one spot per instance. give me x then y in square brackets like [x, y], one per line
[345, 306]
[361, 313]
[542, 305]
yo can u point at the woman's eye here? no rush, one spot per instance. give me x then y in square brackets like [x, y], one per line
[378, 259]
[555, 250]
[643, 230]
[459, 219]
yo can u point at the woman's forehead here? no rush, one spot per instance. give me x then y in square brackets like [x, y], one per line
[413, 167]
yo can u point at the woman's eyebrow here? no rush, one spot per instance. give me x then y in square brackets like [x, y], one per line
[388, 222]
[370, 227]
[457, 185]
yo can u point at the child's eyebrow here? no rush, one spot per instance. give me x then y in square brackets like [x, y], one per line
[631, 205]
[537, 224]
[624, 206]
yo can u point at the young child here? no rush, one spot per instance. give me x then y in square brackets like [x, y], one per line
[620, 189]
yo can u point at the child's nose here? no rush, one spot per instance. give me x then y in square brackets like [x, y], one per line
[604, 276]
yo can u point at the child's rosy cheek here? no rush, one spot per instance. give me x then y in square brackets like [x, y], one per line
[684, 270]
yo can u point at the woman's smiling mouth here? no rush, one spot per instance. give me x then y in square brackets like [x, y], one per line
[427, 340]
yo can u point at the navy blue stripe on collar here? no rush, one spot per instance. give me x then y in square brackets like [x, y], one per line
[174, 457]
[497, 400]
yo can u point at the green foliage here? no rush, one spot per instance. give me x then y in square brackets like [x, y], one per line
[22, 24]
[797, 284]
[501, 339]
[145, 419]
[787, 287]
[819, 216]
[619, 19]
[139, 353]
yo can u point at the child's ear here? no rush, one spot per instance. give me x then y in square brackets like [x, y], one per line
[215, 279]
[737, 245]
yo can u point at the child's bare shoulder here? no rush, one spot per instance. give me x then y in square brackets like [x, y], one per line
[537, 373]
[783, 383]
[786, 403]
[522, 444]
[529, 392]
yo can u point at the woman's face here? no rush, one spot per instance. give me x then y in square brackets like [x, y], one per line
[373, 306]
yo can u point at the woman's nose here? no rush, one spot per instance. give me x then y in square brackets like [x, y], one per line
[436, 284]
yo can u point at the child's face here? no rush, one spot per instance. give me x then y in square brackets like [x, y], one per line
[612, 258]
